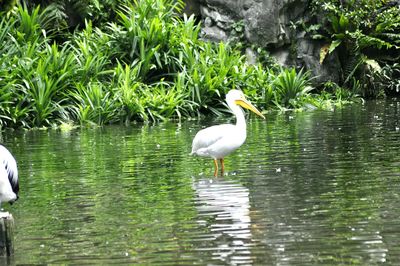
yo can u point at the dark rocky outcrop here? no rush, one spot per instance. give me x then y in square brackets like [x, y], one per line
[267, 24]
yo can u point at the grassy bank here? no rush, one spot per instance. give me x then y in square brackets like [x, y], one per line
[146, 64]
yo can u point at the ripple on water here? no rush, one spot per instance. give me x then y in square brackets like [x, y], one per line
[224, 215]
[305, 189]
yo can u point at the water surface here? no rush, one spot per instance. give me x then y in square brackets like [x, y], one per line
[320, 187]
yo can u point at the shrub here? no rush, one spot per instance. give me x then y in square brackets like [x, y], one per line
[359, 31]
[291, 88]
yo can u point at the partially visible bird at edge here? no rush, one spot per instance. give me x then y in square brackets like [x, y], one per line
[221, 140]
[9, 185]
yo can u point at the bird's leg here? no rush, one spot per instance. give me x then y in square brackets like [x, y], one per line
[215, 167]
[222, 166]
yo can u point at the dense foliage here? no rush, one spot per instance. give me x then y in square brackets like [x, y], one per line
[366, 36]
[147, 64]
[99, 62]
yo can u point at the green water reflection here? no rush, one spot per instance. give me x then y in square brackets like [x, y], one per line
[306, 188]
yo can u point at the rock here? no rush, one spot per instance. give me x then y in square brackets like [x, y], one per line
[282, 56]
[266, 21]
[214, 33]
[192, 7]
[267, 24]
[251, 56]
[308, 52]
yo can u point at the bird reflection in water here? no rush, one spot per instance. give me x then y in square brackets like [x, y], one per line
[224, 210]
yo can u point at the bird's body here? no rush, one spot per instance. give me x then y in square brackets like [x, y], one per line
[215, 143]
[221, 140]
[9, 185]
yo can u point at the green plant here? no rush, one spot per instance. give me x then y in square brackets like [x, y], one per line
[163, 102]
[44, 80]
[7, 5]
[127, 88]
[291, 88]
[93, 54]
[359, 31]
[211, 74]
[258, 85]
[389, 78]
[94, 104]
[28, 24]
[66, 16]
[143, 34]
[5, 105]
[143, 61]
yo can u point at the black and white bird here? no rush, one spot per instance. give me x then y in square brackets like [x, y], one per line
[9, 186]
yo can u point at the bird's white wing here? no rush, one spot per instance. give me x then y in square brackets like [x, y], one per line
[8, 162]
[207, 137]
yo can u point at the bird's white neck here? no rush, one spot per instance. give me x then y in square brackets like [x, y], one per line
[240, 119]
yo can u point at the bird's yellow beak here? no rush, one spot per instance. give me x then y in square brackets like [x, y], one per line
[246, 104]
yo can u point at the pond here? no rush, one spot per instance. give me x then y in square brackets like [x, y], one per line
[319, 187]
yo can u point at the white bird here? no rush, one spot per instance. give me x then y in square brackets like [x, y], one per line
[220, 140]
[9, 186]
